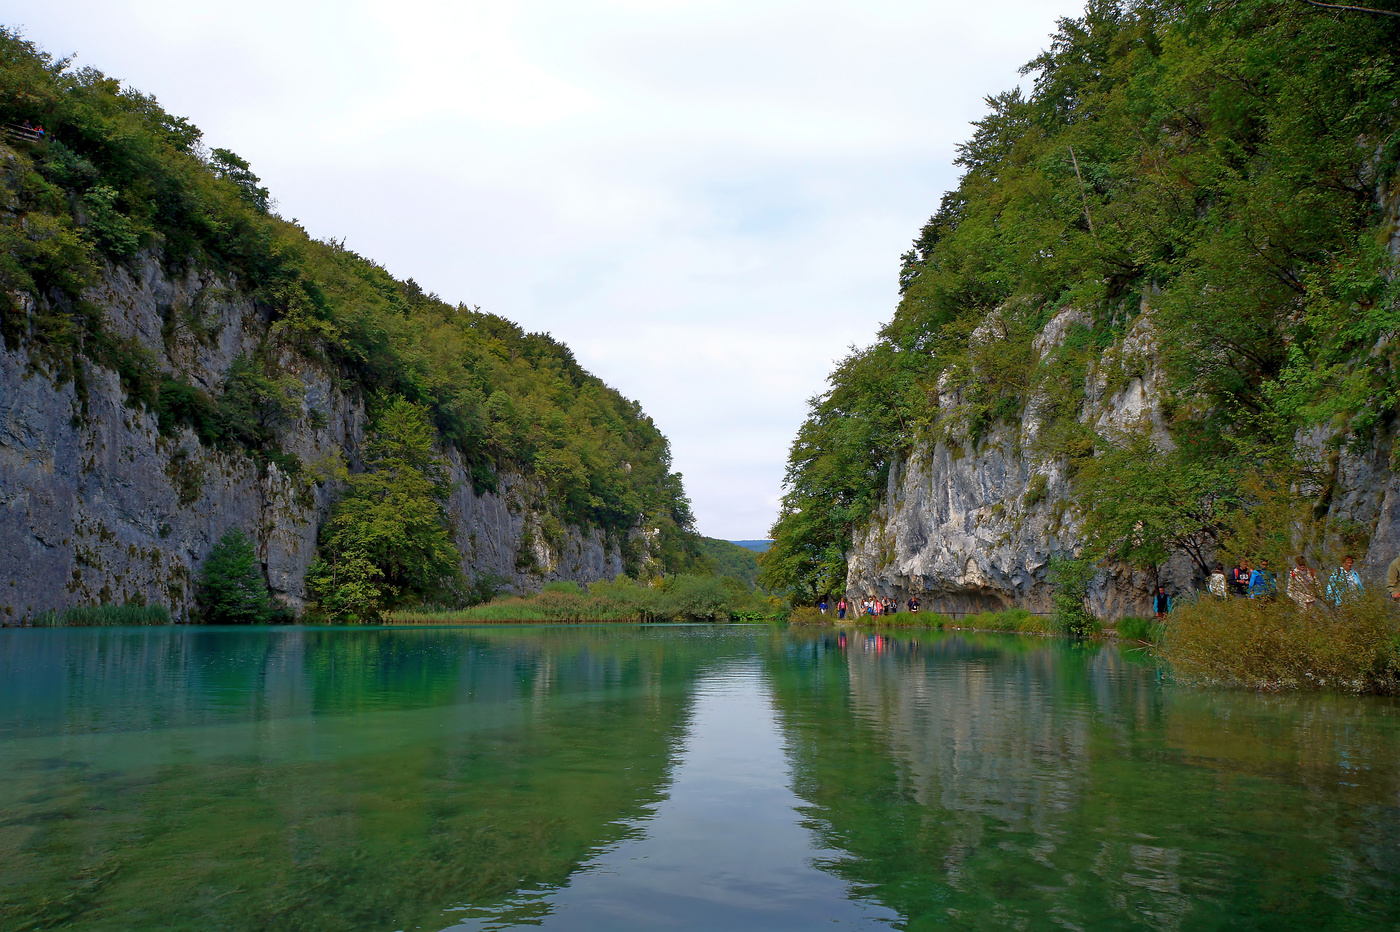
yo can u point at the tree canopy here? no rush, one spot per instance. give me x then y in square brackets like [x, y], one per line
[1230, 163]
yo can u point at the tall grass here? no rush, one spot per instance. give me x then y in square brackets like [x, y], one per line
[1133, 628]
[1276, 645]
[1017, 620]
[679, 598]
[103, 615]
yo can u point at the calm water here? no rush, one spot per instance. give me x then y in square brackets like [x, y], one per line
[672, 778]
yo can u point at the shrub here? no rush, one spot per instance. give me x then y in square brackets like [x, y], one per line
[1272, 644]
[231, 586]
[1070, 578]
[1133, 628]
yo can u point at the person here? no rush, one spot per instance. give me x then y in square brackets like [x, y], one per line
[1239, 578]
[1262, 584]
[892, 606]
[1217, 581]
[1302, 583]
[1161, 603]
[1344, 582]
[821, 606]
[39, 130]
[841, 610]
[914, 604]
[1392, 578]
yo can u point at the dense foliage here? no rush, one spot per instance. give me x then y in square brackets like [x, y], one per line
[1224, 165]
[119, 180]
[727, 558]
[685, 597]
[231, 586]
[1349, 645]
[388, 540]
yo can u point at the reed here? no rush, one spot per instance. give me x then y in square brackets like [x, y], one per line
[102, 615]
[1273, 644]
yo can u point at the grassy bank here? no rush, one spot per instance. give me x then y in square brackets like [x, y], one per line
[1274, 645]
[1016, 620]
[679, 598]
[102, 615]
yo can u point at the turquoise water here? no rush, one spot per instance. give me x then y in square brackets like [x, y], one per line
[590, 778]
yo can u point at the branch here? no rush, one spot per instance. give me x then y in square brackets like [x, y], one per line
[1084, 194]
[1352, 9]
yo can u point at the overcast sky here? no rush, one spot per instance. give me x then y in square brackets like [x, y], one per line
[707, 200]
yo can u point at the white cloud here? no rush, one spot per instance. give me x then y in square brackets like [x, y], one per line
[706, 199]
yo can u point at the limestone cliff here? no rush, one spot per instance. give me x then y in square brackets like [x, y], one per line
[972, 527]
[98, 504]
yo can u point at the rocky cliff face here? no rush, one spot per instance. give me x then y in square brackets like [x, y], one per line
[972, 528]
[96, 504]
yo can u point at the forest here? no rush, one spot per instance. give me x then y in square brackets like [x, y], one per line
[117, 180]
[1227, 168]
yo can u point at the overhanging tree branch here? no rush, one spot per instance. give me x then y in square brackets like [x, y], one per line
[1352, 9]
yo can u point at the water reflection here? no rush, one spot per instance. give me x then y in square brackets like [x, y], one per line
[1025, 782]
[623, 777]
[723, 850]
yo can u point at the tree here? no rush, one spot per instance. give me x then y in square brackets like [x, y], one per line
[1142, 503]
[231, 586]
[387, 541]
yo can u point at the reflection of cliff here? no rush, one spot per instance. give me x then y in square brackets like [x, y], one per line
[974, 738]
[316, 779]
[999, 782]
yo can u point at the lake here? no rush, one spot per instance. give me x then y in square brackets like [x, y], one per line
[673, 777]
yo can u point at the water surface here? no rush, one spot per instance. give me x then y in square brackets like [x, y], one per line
[673, 778]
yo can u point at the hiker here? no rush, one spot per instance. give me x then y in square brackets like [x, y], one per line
[841, 610]
[1262, 584]
[1344, 582]
[1217, 582]
[892, 606]
[914, 604]
[1392, 578]
[1302, 584]
[1239, 578]
[821, 606]
[1161, 603]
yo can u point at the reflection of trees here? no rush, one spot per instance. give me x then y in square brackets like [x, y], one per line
[1001, 782]
[322, 779]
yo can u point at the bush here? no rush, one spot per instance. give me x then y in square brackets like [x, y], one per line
[1133, 628]
[1011, 619]
[678, 598]
[1272, 644]
[1070, 578]
[232, 590]
[103, 615]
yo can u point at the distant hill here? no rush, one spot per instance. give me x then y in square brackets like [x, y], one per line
[758, 546]
[731, 559]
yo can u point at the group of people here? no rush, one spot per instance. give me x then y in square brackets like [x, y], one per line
[1259, 582]
[36, 130]
[874, 607]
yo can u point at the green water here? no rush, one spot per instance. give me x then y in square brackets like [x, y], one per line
[673, 778]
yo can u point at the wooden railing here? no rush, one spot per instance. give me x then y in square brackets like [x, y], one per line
[23, 133]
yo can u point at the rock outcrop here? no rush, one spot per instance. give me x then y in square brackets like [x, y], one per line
[97, 504]
[973, 527]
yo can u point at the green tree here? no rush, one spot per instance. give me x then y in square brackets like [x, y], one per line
[232, 590]
[388, 540]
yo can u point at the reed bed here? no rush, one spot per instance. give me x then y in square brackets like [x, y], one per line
[682, 598]
[1275, 645]
[102, 616]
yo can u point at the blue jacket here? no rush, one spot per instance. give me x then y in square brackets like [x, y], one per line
[1342, 583]
[1262, 582]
